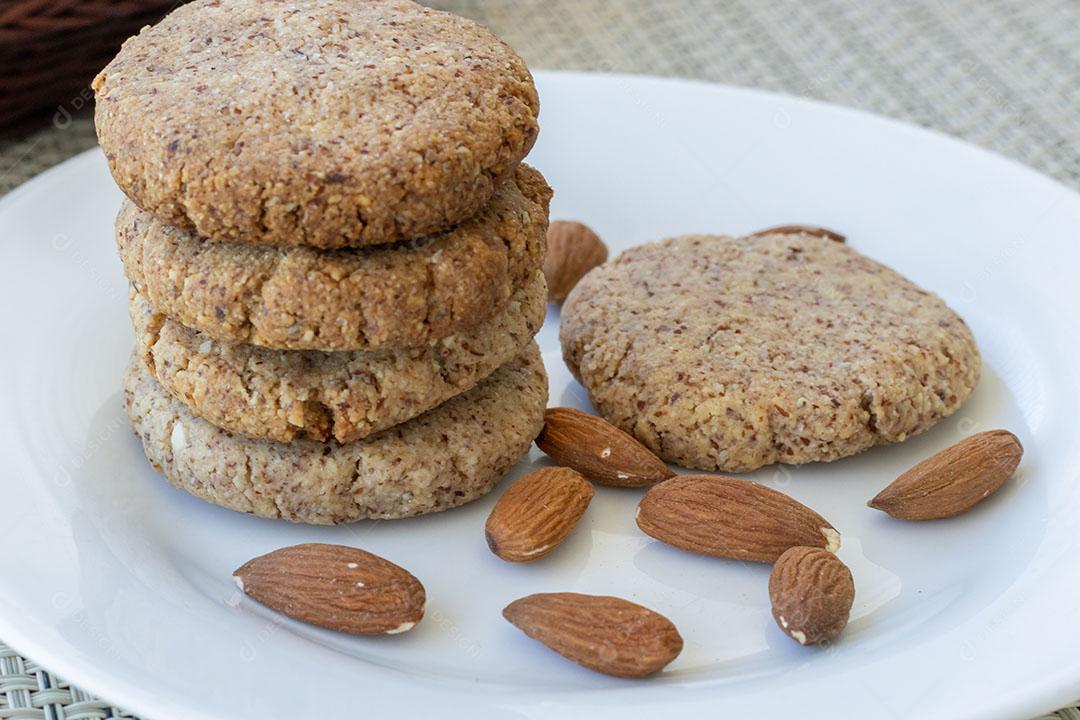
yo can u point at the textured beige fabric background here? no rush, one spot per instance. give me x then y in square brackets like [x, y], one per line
[1004, 74]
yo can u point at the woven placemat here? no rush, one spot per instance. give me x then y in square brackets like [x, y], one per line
[1000, 73]
[28, 692]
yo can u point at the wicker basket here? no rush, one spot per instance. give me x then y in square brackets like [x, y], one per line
[51, 49]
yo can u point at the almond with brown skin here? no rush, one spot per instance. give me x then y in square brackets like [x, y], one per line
[954, 480]
[336, 587]
[598, 450]
[606, 634]
[732, 518]
[572, 250]
[811, 592]
[800, 229]
[537, 513]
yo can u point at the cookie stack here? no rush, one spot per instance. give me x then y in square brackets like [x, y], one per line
[334, 254]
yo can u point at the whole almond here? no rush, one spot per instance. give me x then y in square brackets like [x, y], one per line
[954, 480]
[811, 592]
[732, 518]
[336, 587]
[572, 250]
[598, 450]
[606, 634]
[800, 230]
[537, 513]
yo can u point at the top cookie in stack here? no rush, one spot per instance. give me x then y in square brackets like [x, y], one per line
[322, 123]
[332, 246]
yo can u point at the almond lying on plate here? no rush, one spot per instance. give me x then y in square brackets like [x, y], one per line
[336, 587]
[603, 633]
[800, 230]
[599, 450]
[537, 513]
[732, 518]
[811, 592]
[954, 480]
[573, 249]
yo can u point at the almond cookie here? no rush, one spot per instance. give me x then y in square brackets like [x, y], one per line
[723, 353]
[394, 296]
[285, 394]
[314, 122]
[443, 458]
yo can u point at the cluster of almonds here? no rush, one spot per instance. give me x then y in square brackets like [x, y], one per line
[810, 588]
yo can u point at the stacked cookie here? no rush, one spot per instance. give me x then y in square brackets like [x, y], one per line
[334, 254]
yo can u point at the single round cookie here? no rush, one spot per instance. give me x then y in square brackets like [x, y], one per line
[314, 122]
[395, 296]
[443, 458]
[723, 353]
[286, 394]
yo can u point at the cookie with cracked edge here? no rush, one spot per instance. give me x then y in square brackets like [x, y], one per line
[393, 296]
[446, 457]
[285, 394]
[724, 353]
[314, 122]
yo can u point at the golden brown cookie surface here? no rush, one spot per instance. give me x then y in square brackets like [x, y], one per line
[314, 122]
[298, 298]
[286, 394]
[443, 458]
[724, 353]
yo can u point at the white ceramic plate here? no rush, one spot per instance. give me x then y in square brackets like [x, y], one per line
[120, 583]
